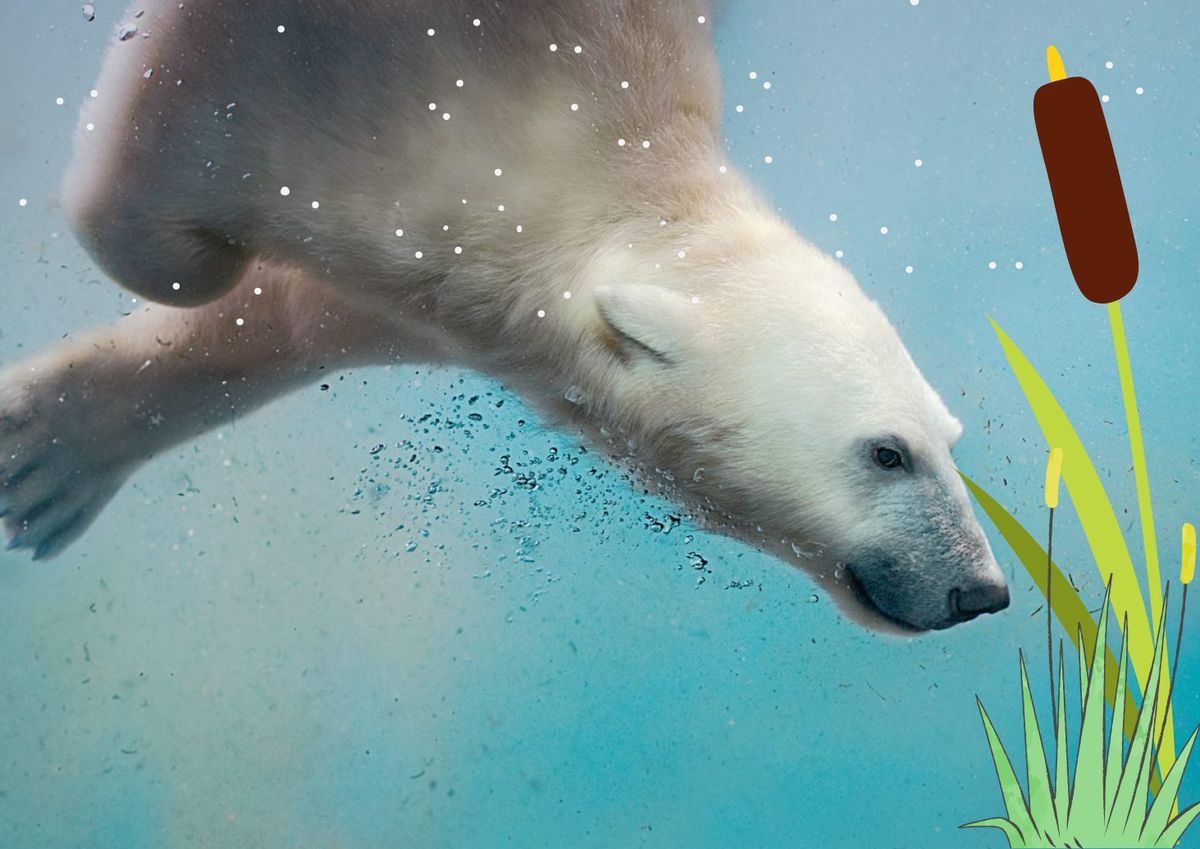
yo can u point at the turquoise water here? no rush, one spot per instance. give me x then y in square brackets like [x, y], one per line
[277, 638]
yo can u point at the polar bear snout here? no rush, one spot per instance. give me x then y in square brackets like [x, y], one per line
[905, 595]
[934, 574]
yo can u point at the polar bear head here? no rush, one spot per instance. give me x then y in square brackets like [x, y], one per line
[778, 396]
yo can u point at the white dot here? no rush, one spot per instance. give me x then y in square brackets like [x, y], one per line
[445, 116]
[740, 108]
[1108, 65]
[541, 313]
[475, 22]
[700, 19]
[566, 296]
[239, 322]
[1018, 265]
[458, 249]
[1139, 90]
[445, 228]
[399, 233]
[992, 265]
[419, 255]
[23, 202]
[59, 101]
[553, 48]
[695, 299]
[498, 172]
[681, 254]
[578, 49]
[520, 228]
[281, 28]
[918, 162]
[574, 107]
[624, 83]
[500, 208]
[94, 93]
[754, 75]
[257, 289]
[458, 83]
[833, 216]
[722, 170]
[883, 231]
[768, 159]
[839, 254]
[432, 107]
[621, 142]
[1104, 98]
[285, 191]
[913, 2]
[430, 31]
[767, 84]
[908, 269]
[90, 126]
[646, 144]
[175, 286]
[316, 204]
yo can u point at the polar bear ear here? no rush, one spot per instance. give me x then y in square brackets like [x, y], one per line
[648, 320]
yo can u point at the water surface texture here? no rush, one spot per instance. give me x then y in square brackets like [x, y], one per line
[479, 634]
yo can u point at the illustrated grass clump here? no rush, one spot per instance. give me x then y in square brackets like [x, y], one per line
[1106, 801]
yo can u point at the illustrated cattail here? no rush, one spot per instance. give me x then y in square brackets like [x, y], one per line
[1053, 478]
[1088, 197]
[1187, 571]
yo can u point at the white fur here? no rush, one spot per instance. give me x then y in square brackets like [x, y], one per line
[702, 339]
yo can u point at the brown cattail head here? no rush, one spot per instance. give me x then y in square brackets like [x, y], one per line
[1088, 197]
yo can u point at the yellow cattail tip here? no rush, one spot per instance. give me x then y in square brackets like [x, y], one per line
[1054, 63]
[1053, 475]
[1188, 570]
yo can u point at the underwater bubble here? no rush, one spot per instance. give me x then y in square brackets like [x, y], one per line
[126, 32]
[574, 395]
[698, 475]
[814, 598]
[411, 547]
[89, 12]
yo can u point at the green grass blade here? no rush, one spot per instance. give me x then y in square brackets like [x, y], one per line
[1137, 811]
[1041, 796]
[1115, 757]
[1068, 607]
[1096, 516]
[1062, 786]
[1164, 802]
[1015, 838]
[1010, 787]
[1174, 831]
[1133, 785]
[1086, 814]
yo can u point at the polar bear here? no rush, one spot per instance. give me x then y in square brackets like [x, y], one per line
[535, 189]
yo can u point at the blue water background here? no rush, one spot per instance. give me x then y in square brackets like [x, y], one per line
[242, 652]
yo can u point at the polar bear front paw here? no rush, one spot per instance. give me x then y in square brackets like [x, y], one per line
[57, 467]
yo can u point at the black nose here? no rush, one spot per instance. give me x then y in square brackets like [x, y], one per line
[966, 604]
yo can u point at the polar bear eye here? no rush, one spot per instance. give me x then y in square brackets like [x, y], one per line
[889, 458]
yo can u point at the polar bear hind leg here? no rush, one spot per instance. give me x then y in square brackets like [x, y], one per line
[77, 419]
